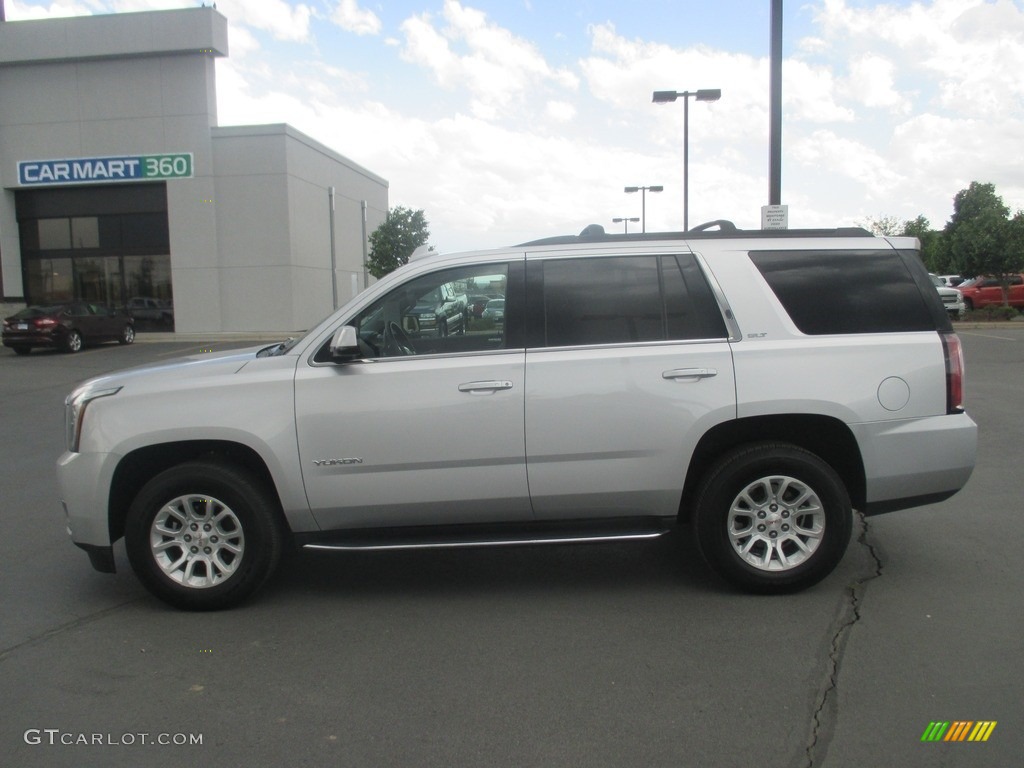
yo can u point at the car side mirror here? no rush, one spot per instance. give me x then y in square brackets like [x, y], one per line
[345, 345]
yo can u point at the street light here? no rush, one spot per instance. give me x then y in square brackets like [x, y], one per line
[626, 221]
[643, 201]
[664, 97]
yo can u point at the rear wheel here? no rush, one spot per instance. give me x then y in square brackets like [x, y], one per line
[773, 517]
[73, 342]
[203, 536]
[127, 334]
[21, 350]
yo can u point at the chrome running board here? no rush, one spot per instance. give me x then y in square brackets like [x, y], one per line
[382, 540]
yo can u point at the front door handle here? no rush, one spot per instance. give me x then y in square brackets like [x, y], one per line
[484, 387]
[690, 373]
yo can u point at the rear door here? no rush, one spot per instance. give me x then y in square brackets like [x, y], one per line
[628, 364]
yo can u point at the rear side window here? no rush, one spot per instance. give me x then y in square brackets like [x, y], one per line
[833, 292]
[627, 299]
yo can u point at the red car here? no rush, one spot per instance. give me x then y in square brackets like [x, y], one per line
[67, 327]
[988, 291]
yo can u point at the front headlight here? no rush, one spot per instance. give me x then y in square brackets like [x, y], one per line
[74, 412]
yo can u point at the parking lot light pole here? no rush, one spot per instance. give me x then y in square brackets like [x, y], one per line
[643, 202]
[664, 97]
[625, 221]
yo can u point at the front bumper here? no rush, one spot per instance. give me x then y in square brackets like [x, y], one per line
[83, 480]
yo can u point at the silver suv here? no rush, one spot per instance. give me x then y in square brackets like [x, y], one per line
[756, 385]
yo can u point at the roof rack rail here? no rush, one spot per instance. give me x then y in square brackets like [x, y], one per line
[594, 233]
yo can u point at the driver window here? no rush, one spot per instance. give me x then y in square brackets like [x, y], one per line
[447, 312]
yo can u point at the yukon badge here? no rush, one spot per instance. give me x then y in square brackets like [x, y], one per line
[336, 462]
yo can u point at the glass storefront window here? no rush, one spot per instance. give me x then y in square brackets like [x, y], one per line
[54, 234]
[49, 281]
[85, 232]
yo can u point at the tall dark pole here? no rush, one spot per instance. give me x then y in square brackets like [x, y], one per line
[775, 110]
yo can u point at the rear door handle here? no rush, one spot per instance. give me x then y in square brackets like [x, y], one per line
[484, 387]
[690, 373]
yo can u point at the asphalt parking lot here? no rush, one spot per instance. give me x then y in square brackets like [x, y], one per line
[606, 655]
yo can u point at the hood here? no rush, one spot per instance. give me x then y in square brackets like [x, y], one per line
[188, 367]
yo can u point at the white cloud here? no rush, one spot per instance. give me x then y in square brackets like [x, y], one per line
[349, 16]
[872, 83]
[560, 111]
[498, 69]
[17, 10]
[278, 17]
[970, 50]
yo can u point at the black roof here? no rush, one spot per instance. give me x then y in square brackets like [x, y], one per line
[595, 233]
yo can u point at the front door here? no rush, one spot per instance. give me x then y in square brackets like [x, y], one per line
[423, 430]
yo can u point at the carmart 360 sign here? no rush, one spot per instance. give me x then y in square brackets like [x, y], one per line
[103, 170]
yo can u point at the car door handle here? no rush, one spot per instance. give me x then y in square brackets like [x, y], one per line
[690, 373]
[484, 387]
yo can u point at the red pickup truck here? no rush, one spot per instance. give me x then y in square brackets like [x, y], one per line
[987, 291]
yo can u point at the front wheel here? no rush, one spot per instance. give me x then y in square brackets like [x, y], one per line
[127, 334]
[203, 536]
[773, 517]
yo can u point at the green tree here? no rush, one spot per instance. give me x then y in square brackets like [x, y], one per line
[933, 254]
[885, 226]
[395, 240]
[981, 238]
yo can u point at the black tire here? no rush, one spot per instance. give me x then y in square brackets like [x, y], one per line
[127, 334]
[19, 350]
[772, 517]
[214, 525]
[73, 342]
[968, 304]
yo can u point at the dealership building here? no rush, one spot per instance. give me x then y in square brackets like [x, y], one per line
[118, 187]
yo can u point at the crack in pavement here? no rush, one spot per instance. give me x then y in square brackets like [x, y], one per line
[6, 653]
[827, 707]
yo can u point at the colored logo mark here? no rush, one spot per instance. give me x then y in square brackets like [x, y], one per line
[959, 730]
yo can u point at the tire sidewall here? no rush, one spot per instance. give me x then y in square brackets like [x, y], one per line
[246, 498]
[736, 472]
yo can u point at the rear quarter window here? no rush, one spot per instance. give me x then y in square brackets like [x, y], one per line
[843, 292]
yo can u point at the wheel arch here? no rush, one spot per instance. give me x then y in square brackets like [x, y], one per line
[825, 436]
[141, 465]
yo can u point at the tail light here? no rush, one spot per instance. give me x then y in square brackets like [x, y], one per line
[44, 322]
[954, 356]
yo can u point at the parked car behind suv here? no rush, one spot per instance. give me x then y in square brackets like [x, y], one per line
[952, 299]
[988, 292]
[757, 386]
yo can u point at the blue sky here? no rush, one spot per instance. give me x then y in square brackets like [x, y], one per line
[507, 121]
